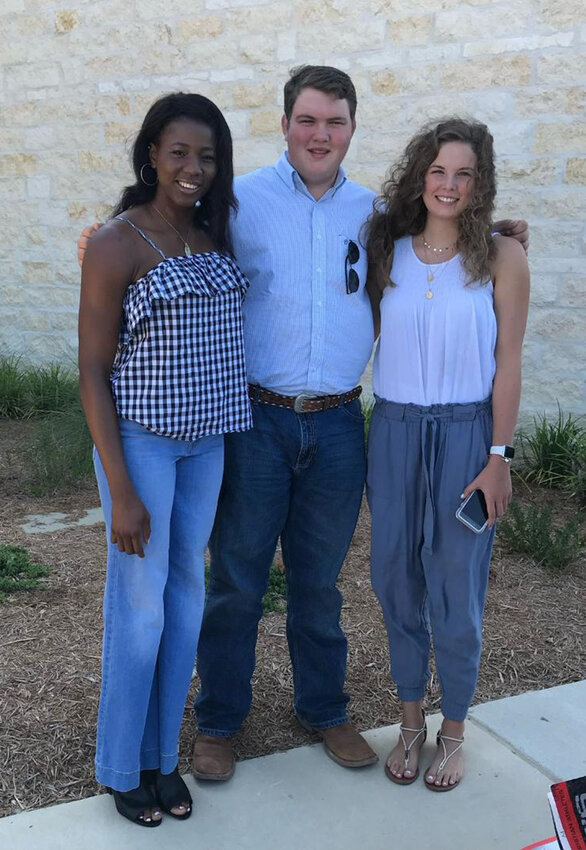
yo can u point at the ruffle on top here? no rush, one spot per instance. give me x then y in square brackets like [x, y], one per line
[206, 275]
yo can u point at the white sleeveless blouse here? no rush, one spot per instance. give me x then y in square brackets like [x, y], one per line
[437, 350]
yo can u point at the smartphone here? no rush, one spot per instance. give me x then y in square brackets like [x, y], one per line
[472, 512]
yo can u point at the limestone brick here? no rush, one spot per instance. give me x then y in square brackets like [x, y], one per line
[576, 171]
[411, 30]
[215, 53]
[573, 293]
[256, 49]
[486, 73]
[66, 20]
[266, 122]
[476, 23]
[36, 235]
[253, 19]
[544, 101]
[534, 171]
[286, 46]
[254, 154]
[206, 26]
[31, 76]
[561, 13]
[385, 83]
[11, 187]
[118, 132]
[36, 272]
[561, 67]
[398, 8]
[90, 161]
[516, 45]
[557, 240]
[367, 36]
[561, 138]
[544, 289]
[38, 186]
[16, 164]
[245, 95]
[328, 11]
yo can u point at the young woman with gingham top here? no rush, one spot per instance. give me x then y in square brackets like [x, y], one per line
[163, 378]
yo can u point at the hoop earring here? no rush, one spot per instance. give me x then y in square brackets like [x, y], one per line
[142, 175]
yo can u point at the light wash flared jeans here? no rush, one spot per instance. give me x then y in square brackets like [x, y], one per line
[429, 572]
[153, 605]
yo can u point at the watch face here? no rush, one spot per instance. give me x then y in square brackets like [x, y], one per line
[509, 452]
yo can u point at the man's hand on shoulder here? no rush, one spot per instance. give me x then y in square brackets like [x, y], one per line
[517, 228]
[84, 237]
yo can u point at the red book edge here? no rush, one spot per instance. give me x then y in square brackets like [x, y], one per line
[567, 816]
[542, 843]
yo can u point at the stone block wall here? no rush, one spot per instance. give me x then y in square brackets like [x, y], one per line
[77, 77]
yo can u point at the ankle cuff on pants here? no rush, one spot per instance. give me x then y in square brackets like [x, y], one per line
[411, 694]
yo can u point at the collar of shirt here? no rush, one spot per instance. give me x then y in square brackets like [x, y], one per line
[292, 178]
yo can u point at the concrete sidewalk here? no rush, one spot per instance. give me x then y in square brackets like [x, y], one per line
[300, 800]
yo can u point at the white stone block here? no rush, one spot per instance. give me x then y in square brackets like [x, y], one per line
[286, 45]
[232, 75]
[38, 186]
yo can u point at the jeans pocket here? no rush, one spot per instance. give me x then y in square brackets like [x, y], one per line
[353, 409]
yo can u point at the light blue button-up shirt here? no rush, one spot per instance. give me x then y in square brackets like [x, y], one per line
[302, 331]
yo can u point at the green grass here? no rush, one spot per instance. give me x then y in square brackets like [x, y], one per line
[531, 531]
[554, 452]
[367, 408]
[28, 391]
[60, 451]
[275, 599]
[17, 571]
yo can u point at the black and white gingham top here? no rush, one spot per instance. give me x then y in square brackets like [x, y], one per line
[179, 369]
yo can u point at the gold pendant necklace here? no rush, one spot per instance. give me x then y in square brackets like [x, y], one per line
[186, 248]
[430, 274]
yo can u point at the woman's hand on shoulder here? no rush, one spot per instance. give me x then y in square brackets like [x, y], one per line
[495, 483]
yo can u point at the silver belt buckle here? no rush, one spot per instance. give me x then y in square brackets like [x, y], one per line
[300, 400]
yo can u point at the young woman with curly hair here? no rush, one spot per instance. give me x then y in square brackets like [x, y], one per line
[447, 377]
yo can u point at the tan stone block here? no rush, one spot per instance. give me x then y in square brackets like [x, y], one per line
[380, 113]
[36, 235]
[576, 170]
[57, 296]
[34, 320]
[555, 240]
[532, 171]
[561, 138]
[208, 26]
[93, 161]
[469, 23]
[17, 164]
[79, 211]
[382, 148]
[13, 188]
[486, 73]
[215, 53]
[32, 75]
[33, 272]
[329, 12]
[25, 114]
[561, 13]
[557, 323]
[266, 123]
[544, 101]
[119, 132]
[542, 395]
[123, 104]
[255, 49]
[411, 30]
[31, 25]
[66, 20]
[254, 19]
[346, 38]
[385, 83]
[254, 153]
[544, 288]
[561, 67]
[66, 322]
[245, 95]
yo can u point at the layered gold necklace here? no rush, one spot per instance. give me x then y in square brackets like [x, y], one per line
[431, 275]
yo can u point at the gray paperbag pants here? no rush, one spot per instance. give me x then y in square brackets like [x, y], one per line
[429, 571]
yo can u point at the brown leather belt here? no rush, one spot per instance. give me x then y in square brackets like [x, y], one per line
[304, 402]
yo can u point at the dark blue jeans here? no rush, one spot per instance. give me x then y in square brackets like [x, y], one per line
[300, 477]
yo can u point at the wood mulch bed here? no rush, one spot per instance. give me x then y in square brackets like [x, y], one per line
[50, 646]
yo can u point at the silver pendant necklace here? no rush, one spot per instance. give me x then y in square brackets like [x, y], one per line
[186, 248]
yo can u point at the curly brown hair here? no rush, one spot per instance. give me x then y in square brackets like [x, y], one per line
[399, 209]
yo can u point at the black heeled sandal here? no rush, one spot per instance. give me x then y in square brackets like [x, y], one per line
[171, 791]
[133, 804]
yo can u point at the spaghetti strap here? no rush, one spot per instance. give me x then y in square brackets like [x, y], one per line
[142, 233]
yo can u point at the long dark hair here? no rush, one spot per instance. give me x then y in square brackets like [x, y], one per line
[400, 211]
[214, 213]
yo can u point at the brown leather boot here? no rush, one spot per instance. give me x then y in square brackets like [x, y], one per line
[213, 758]
[345, 745]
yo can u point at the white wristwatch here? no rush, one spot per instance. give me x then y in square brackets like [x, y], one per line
[506, 452]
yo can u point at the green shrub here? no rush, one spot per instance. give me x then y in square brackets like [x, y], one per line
[17, 571]
[27, 391]
[275, 599]
[551, 452]
[531, 531]
[367, 408]
[60, 451]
